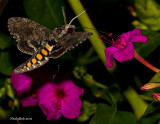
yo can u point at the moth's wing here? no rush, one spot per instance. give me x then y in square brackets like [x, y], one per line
[24, 30]
[68, 42]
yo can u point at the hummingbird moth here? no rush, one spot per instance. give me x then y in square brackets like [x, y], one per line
[43, 43]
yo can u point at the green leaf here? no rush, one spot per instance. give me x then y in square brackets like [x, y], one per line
[111, 94]
[6, 65]
[10, 91]
[5, 41]
[151, 115]
[155, 78]
[2, 92]
[88, 110]
[108, 115]
[3, 113]
[46, 12]
[93, 120]
[144, 49]
[148, 13]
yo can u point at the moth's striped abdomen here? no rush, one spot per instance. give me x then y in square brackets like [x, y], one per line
[37, 60]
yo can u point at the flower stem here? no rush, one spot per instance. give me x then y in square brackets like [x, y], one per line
[85, 21]
[99, 85]
[146, 63]
[137, 104]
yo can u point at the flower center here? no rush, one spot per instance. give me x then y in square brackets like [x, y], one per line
[34, 95]
[119, 44]
[113, 42]
[60, 93]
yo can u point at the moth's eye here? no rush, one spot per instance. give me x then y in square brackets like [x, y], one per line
[70, 30]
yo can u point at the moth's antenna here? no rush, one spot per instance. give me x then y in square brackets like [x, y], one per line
[64, 15]
[75, 18]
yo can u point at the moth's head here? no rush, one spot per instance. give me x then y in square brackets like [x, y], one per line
[63, 30]
[69, 28]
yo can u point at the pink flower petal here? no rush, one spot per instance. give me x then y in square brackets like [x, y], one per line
[70, 88]
[136, 32]
[22, 83]
[53, 114]
[109, 55]
[28, 101]
[156, 96]
[20, 80]
[47, 101]
[125, 54]
[136, 36]
[124, 37]
[71, 107]
[46, 96]
[139, 39]
[48, 108]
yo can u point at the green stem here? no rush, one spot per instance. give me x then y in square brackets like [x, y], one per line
[85, 21]
[146, 98]
[99, 85]
[88, 79]
[137, 104]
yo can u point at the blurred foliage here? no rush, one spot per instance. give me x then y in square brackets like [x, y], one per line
[145, 49]
[148, 11]
[7, 94]
[88, 110]
[6, 66]
[103, 100]
[155, 78]
[107, 114]
[5, 41]
[151, 115]
[45, 12]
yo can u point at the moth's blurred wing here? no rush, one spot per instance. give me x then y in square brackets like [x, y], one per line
[24, 30]
[68, 42]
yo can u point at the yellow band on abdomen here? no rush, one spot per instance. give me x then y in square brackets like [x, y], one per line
[44, 52]
[49, 48]
[28, 64]
[39, 56]
[34, 61]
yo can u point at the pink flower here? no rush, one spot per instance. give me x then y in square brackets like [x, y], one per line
[149, 86]
[156, 96]
[54, 99]
[122, 48]
[63, 98]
